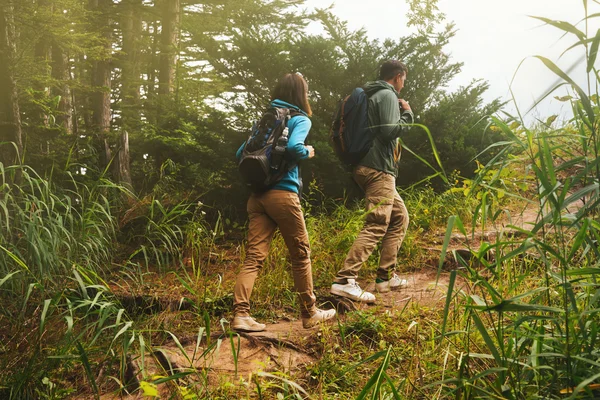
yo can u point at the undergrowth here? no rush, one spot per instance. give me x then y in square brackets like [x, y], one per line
[94, 282]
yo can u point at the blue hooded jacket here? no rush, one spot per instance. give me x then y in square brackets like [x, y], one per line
[298, 127]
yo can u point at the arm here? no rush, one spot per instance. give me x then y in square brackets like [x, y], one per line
[392, 120]
[238, 154]
[298, 130]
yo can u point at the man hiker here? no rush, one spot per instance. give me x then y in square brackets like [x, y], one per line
[387, 217]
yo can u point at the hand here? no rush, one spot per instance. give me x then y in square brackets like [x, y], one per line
[311, 151]
[404, 105]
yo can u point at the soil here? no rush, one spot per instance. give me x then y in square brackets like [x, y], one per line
[286, 346]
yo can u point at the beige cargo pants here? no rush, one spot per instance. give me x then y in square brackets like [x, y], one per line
[387, 220]
[267, 212]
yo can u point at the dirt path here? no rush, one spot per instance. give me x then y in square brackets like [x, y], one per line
[285, 346]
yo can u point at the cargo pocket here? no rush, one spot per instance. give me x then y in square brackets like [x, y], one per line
[379, 210]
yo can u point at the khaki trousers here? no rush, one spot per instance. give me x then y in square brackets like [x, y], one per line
[387, 220]
[268, 211]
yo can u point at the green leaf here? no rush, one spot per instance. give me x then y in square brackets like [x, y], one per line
[487, 339]
[508, 305]
[447, 238]
[564, 98]
[88, 369]
[7, 277]
[584, 98]
[448, 300]
[563, 25]
[583, 271]
[376, 380]
[125, 327]
[284, 380]
[149, 389]
[44, 313]
[579, 239]
[551, 119]
[15, 259]
[593, 52]
[180, 347]
[69, 320]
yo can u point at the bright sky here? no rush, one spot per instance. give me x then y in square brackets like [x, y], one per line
[493, 38]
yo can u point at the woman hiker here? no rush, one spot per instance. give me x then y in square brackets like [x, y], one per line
[279, 207]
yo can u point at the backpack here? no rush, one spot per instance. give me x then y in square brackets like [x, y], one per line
[263, 161]
[350, 134]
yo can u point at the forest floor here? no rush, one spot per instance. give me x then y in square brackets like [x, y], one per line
[285, 346]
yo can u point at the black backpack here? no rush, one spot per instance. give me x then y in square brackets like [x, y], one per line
[263, 162]
[350, 134]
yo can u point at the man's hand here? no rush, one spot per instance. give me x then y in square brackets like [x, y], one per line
[311, 151]
[404, 105]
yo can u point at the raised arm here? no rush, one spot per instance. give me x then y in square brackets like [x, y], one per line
[393, 121]
[298, 131]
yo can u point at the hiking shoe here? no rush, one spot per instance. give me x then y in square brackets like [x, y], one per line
[393, 283]
[352, 291]
[318, 316]
[247, 324]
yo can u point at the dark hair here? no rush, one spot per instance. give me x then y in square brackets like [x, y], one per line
[293, 89]
[391, 68]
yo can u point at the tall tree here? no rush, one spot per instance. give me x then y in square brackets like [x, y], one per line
[61, 75]
[171, 15]
[42, 57]
[10, 118]
[131, 26]
[101, 75]
[131, 30]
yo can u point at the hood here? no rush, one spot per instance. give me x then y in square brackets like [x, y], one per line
[282, 104]
[375, 86]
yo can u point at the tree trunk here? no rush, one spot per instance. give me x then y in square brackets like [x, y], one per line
[42, 56]
[130, 83]
[81, 99]
[152, 65]
[130, 86]
[101, 78]
[62, 76]
[10, 118]
[122, 161]
[171, 13]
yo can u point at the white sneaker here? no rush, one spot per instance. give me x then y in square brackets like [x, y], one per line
[247, 324]
[352, 291]
[393, 283]
[318, 316]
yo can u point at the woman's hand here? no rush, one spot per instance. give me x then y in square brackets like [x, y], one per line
[311, 151]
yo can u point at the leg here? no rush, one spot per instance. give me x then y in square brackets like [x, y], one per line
[379, 190]
[260, 233]
[393, 238]
[284, 208]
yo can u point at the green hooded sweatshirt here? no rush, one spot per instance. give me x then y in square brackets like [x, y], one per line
[387, 122]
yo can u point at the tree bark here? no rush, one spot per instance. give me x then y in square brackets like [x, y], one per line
[82, 99]
[42, 56]
[132, 31]
[131, 24]
[152, 68]
[171, 12]
[10, 117]
[122, 161]
[101, 78]
[62, 77]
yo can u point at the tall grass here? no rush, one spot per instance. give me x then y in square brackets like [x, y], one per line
[57, 246]
[530, 327]
[50, 229]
